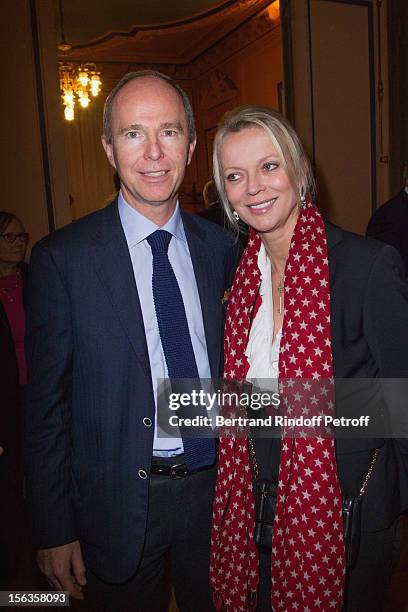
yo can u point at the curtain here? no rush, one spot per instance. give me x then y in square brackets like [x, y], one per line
[90, 176]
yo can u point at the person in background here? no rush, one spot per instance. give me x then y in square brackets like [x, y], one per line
[13, 378]
[389, 223]
[214, 211]
[13, 273]
[304, 313]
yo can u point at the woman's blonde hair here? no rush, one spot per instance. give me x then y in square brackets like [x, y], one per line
[284, 140]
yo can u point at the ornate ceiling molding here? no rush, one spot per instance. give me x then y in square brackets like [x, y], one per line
[171, 43]
[248, 32]
[136, 28]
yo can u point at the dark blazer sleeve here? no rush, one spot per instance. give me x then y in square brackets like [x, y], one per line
[386, 329]
[386, 313]
[234, 256]
[383, 227]
[48, 409]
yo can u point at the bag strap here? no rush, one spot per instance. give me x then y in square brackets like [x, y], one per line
[253, 464]
[255, 469]
[368, 475]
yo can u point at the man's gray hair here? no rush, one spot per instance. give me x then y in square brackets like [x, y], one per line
[131, 76]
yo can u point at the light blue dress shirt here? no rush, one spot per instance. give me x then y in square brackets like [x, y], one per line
[137, 228]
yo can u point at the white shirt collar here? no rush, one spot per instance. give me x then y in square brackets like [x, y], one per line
[137, 227]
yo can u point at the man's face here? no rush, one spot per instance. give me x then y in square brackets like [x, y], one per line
[150, 147]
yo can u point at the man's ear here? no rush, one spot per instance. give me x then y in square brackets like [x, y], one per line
[191, 148]
[108, 148]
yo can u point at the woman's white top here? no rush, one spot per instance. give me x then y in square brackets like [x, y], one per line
[262, 354]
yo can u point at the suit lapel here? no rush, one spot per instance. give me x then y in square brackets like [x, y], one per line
[334, 236]
[114, 268]
[113, 265]
[208, 288]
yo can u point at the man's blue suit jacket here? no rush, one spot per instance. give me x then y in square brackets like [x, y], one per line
[90, 384]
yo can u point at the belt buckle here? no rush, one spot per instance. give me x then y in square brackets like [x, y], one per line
[173, 471]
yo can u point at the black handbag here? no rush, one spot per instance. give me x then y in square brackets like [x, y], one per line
[266, 493]
[351, 511]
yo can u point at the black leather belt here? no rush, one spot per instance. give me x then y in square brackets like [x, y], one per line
[177, 470]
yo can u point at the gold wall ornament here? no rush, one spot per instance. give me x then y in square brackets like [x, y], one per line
[79, 83]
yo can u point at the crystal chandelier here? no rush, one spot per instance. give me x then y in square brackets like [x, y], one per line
[78, 83]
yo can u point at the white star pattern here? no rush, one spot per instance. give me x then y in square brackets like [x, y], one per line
[307, 552]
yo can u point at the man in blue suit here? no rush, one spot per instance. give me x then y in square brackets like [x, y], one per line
[111, 499]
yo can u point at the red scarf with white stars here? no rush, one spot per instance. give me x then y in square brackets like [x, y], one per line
[308, 565]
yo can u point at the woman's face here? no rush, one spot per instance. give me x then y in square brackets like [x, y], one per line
[13, 252]
[256, 183]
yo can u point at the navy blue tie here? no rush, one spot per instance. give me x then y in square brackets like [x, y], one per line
[176, 341]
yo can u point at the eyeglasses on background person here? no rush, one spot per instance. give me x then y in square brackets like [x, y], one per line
[11, 238]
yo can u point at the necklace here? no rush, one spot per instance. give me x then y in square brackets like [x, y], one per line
[281, 289]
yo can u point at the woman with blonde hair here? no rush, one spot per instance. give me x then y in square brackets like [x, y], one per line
[310, 303]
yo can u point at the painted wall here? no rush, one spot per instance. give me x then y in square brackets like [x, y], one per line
[23, 180]
[336, 104]
[248, 75]
[22, 176]
[398, 111]
[342, 127]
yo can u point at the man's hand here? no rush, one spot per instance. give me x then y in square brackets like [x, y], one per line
[64, 568]
[1, 450]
